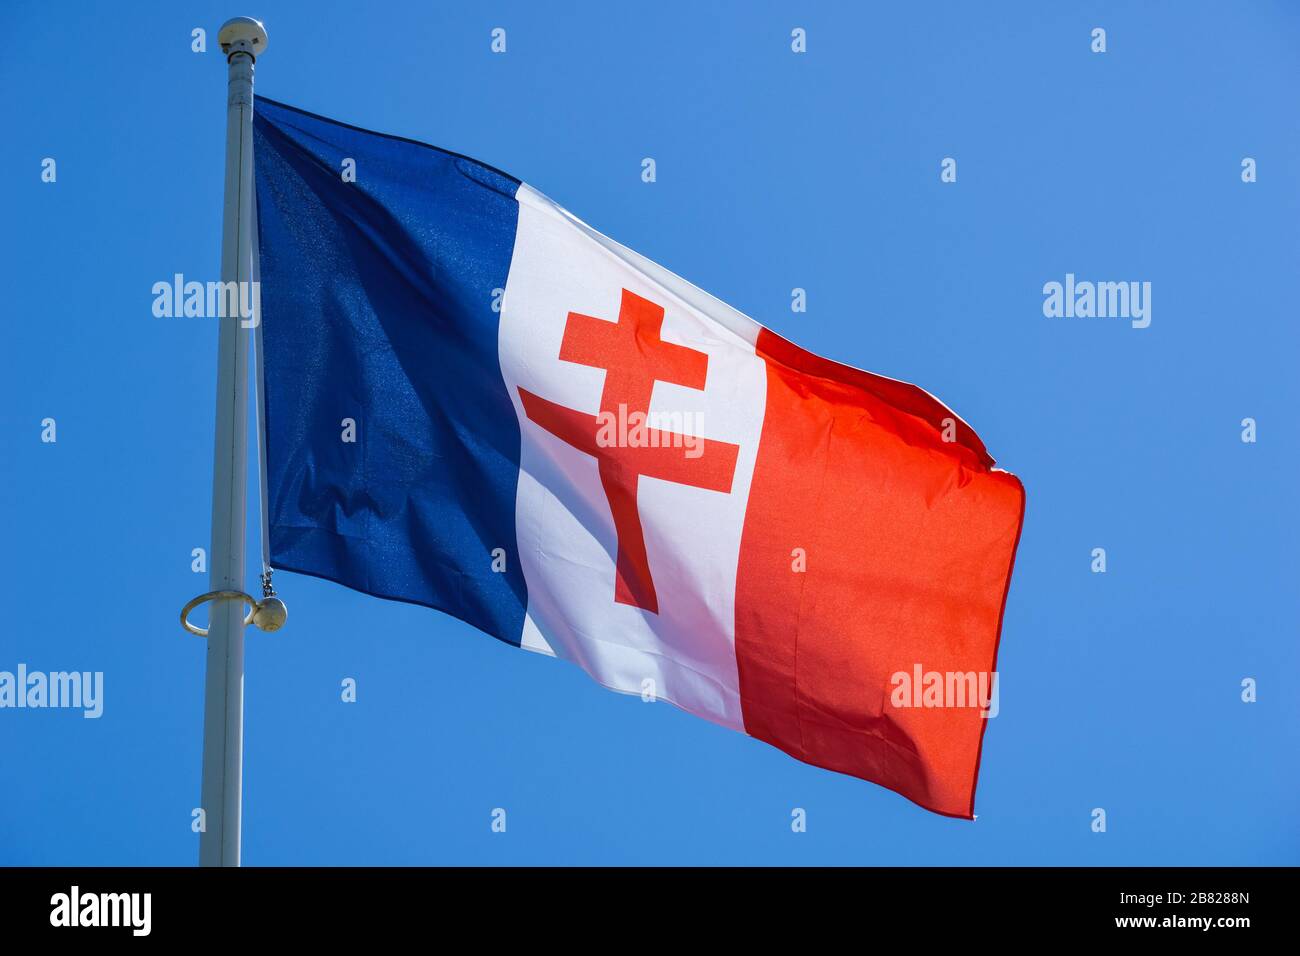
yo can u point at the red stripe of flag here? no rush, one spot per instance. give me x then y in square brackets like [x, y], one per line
[909, 542]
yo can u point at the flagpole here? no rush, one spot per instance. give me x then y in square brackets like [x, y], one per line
[242, 40]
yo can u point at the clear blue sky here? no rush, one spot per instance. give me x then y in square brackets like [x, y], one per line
[775, 170]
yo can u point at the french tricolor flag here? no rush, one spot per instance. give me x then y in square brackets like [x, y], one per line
[476, 402]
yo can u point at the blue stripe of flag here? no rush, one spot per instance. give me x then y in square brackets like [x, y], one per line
[377, 306]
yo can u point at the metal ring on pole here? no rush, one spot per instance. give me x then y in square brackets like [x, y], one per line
[216, 596]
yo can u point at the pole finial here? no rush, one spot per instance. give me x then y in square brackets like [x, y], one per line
[242, 35]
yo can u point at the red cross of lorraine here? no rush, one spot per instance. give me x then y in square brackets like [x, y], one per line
[634, 357]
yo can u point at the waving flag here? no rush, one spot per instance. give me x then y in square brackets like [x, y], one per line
[476, 402]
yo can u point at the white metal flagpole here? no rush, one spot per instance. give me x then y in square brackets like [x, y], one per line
[242, 40]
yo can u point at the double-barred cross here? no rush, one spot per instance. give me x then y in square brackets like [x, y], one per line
[634, 357]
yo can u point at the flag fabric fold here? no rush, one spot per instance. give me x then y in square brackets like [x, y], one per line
[476, 402]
